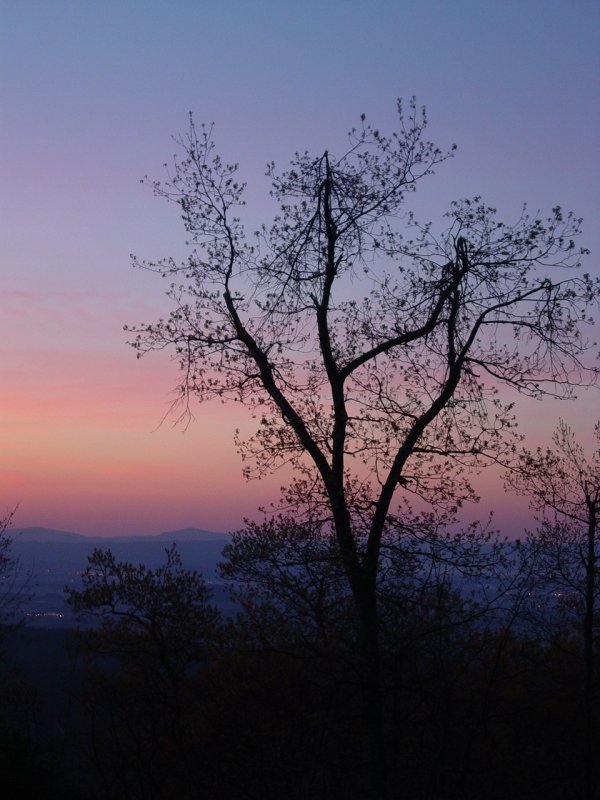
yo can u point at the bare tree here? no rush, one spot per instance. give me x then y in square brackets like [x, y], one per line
[369, 348]
[564, 487]
[162, 629]
[161, 620]
[13, 583]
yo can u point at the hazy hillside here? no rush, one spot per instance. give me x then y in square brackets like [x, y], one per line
[40, 534]
[50, 559]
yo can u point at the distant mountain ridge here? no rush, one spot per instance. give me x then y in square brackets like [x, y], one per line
[191, 534]
[40, 534]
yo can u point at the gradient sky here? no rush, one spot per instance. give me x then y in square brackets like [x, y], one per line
[90, 94]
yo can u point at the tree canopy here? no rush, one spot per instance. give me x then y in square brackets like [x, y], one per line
[370, 347]
[364, 341]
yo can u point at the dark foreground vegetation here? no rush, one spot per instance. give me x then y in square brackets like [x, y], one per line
[158, 695]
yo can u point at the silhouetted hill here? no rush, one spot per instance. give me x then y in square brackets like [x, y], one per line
[40, 534]
[192, 534]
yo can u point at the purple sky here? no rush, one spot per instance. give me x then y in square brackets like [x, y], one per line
[90, 95]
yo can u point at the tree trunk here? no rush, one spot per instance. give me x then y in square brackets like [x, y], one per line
[588, 657]
[372, 711]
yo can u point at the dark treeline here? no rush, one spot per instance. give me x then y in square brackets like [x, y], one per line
[482, 677]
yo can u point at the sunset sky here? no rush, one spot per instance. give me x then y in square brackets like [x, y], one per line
[90, 95]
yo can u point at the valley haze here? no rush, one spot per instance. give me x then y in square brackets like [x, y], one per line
[49, 559]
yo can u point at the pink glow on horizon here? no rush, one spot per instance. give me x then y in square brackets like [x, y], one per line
[88, 453]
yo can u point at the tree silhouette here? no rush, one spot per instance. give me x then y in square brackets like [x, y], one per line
[368, 347]
[160, 628]
[564, 487]
[161, 619]
[13, 583]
